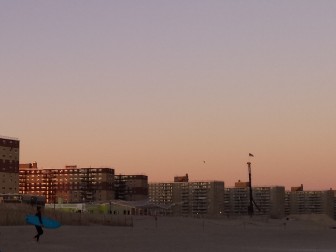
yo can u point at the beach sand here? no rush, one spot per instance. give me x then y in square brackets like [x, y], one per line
[178, 234]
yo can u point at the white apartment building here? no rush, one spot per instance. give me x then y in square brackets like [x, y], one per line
[189, 198]
[269, 200]
[310, 202]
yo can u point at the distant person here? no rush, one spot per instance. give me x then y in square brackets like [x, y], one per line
[38, 228]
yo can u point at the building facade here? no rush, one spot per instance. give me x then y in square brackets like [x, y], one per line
[9, 164]
[189, 198]
[161, 194]
[236, 201]
[67, 185]
[131, 187]
[298, 201]
[269, 200]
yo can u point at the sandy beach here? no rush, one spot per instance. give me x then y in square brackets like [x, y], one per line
[177, 234]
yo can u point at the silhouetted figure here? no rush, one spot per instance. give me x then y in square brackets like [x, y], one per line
[38, 228]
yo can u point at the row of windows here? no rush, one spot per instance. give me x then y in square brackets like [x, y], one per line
[37, 176]
[10, 142]
[9, 188]
[10, 149]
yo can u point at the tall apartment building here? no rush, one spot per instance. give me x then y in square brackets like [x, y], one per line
[181, 198]
[270, 200]
[161, 194]
[298, 201]
[207, 198]
[67, 185]
[189, 198]
[9, 164]
[236, 201]
[131, 187]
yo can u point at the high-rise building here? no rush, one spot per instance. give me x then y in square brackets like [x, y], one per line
[269, 200]
[9, 164]
[131, 187]
[309, 202]
[236, 201]
[69, 184]
[161, 194]
[207, 198]
[189, 198]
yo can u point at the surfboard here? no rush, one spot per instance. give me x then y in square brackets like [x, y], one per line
[46, 222]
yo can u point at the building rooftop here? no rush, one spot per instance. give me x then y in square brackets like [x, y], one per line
[9, 138]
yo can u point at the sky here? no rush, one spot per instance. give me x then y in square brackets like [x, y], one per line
[159, 87]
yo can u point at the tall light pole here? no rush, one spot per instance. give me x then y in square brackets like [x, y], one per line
[250, 207]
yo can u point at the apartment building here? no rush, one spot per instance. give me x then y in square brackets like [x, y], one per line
[269, 200]
[181, 199]
[189, 198]
[161, 193]
[9, 164]
[236, 201]
[298, 201]
[207, 198]
[131, 187]
[67, 185]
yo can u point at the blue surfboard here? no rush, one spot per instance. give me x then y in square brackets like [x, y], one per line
[46, 222]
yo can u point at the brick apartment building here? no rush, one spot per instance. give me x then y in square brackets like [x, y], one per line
[67, 185]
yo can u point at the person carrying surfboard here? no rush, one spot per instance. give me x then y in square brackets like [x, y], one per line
[38, 228]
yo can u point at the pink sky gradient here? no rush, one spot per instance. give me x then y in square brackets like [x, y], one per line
[156, 87]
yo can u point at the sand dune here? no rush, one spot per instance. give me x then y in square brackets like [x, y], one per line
[178, 234]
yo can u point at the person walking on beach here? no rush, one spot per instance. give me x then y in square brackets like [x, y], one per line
[38, 228]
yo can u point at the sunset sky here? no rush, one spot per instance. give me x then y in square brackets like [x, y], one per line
[158, 87]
